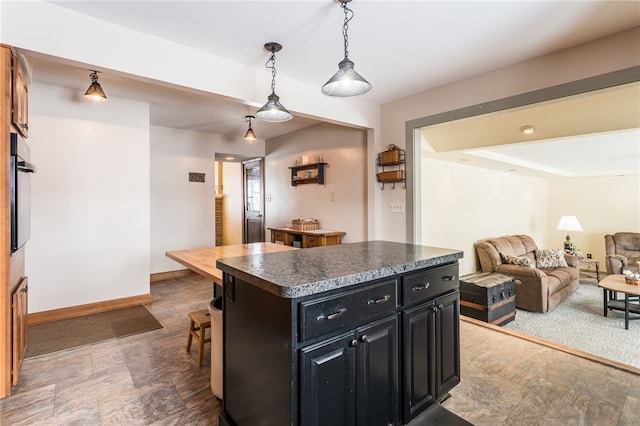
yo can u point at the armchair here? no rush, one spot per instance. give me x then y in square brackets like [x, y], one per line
[623, 252]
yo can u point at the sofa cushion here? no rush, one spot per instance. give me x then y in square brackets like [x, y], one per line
[550, 258]
[517, 260]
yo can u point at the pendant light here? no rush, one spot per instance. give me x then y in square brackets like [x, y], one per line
[346, 82]
[250, 135]
[273, 110]
[94, 91]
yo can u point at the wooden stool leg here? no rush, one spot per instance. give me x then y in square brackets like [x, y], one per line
[203, 331]
[190, 339]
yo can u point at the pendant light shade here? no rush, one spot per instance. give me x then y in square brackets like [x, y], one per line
[346, 82]
[95, 91]
[273, 110]
[250, 134]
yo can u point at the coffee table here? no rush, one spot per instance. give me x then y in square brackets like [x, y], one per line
[611, 285]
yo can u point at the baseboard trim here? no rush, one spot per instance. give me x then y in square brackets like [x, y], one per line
[170, 275]
[89, 308]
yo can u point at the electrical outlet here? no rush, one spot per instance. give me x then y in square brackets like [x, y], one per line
[267, 198]
[333, 197]
[396, 207]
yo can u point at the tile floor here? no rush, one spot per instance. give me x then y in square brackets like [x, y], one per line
[149, 379]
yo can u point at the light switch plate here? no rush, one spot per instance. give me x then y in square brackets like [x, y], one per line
[396, 207]
[196, 177]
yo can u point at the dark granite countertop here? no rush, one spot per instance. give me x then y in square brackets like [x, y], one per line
[304, 272]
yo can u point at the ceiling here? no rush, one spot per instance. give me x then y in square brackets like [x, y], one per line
[428, 44]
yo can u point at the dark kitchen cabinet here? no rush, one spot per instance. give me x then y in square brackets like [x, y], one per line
[431, 334]
[352, 379]
[376, 353]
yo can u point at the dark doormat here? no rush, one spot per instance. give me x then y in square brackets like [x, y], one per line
[88, 329]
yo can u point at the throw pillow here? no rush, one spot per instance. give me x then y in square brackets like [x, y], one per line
[553, 258]
[517, 260]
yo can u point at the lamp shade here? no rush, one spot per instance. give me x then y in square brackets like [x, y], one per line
[346, 82]
[250, 135]
[569, 223]
[273, 110]
[95, 91]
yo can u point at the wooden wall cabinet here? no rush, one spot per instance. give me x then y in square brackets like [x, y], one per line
[19, 96]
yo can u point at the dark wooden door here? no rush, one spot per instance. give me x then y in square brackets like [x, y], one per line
[328, 383]
[377, 374]
[253, 194]
[419, 380]
[447, 338]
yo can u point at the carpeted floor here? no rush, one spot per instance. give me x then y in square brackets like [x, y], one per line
[578, 322]
[89, 329]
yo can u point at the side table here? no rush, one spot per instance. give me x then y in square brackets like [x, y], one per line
[588, 263]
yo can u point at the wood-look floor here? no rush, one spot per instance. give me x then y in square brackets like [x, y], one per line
[149, 378]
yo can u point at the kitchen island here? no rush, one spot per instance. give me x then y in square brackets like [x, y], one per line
[353, 334]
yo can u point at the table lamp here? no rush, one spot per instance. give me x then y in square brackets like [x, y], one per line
[569, 223]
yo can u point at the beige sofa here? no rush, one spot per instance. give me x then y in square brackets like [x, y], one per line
[623, 252]
[539, 289]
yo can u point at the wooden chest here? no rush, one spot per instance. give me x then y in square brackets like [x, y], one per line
[488, 296]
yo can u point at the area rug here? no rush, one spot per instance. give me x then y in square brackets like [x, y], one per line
[88, 329]
[578, 322]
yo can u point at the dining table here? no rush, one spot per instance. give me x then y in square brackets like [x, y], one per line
[203, 260]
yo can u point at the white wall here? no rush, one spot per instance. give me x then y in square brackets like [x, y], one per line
[603, 205]
[90, 199]
[612, 53]
[182, 212]
[462, 204]
[344, 149]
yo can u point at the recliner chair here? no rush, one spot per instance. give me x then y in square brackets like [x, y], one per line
[623, 252]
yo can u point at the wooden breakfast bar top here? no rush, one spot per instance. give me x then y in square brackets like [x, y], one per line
[203, 260]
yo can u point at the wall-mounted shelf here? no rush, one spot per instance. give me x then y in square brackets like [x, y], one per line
[307, 173]
[391, 167]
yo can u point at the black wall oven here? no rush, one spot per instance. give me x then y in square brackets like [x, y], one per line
[21, 170]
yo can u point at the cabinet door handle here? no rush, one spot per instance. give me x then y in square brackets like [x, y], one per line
[353, 343]
[378, 301]
[421, 287]
[333, 315]
[364, 338]
[440, 306]
[448, 277]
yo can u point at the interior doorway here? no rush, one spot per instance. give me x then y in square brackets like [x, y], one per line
[253, 196]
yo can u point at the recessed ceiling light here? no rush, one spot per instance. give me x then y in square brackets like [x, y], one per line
[528, 129]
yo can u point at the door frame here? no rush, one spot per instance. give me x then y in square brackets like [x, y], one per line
[260, 161]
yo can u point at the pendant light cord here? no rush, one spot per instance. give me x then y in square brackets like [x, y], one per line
[272, 60]
[345, 27]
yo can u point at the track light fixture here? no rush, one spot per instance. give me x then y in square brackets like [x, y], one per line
[346, 82]
[250, 135]
[94, 91]
[273, 110]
